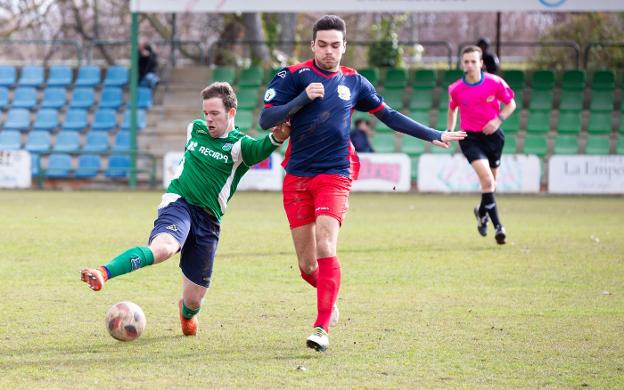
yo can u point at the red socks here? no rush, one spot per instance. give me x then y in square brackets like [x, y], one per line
[312, 278]
[327, 288]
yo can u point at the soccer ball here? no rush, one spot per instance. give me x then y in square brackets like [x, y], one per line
[125, 321]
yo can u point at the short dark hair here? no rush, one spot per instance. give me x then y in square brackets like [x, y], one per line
[471, 49]
[330, 22]
[222, 90]
[359, 121]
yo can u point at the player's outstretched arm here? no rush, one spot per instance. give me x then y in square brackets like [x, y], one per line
[256, 150]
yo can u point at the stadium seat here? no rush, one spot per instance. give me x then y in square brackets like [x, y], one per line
[395, 78]
[111, 97]
[519, 99]
[118, 166]
[141, 120]
[104, 119]
[449, 77]
[439, 150]
[122, 142]
[543, 80]
[88, 166]
[573, 80]
[67, 142]
[224, 73]
[441, 119]
[619, 147]
[566, 144]
[421, 99]
[38, 141]
[35, 162]
[424, 79]
[24, 97]
[371, 74]
[17, 119]
[571, 101]
[569, 122]
[53, 97]
[535, 144]
[541, 100]
[412, 146]
[512, 123]
[46, 119]
[248, 98]
[621, 127]
[10, 140]
[31, 76]
[394, 98]
[420, 116]
[515, 79]
[59, 166]
[384, 143]
[251, 77]
[96, 142]
[381, 127]
[59, 76]
[538, 122]
[603, 80]
[599, 123]
[88, 76]
[4, 98]
[597, 145]
[75, 119]
[82, 98]
[244, 120]
[144, 98]
[8, 75]
[511, 144]
[116, 76]
[601, 101]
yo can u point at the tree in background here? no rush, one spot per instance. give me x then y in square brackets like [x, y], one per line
[385, 51]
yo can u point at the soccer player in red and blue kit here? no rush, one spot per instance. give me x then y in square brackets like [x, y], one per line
[318, 97]
[478, 96]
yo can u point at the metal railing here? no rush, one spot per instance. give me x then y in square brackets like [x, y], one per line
[563, 44]
[47, 42]
[177, 44]
[598, 45]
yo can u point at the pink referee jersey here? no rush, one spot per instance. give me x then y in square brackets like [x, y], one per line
[479, 102]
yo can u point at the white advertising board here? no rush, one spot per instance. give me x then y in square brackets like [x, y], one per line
[586, 175]
[15, 170]
[383, 172]
[518, 173]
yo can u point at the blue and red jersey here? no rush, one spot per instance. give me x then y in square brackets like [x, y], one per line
[319, 140]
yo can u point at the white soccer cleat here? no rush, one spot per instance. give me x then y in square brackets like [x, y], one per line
[335, 316]
[318, 340]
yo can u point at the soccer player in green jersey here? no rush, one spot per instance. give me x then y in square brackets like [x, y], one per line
[216, 157]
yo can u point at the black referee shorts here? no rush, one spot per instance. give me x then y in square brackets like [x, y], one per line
[478, 146]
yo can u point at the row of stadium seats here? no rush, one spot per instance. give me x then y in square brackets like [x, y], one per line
[80, 97]
[63, 76]
[85, 166]
[48, 119]
[65, 141]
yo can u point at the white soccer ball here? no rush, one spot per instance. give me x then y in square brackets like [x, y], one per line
[125, 321]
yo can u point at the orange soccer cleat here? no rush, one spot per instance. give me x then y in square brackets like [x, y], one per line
[94, 277]
[189, 326]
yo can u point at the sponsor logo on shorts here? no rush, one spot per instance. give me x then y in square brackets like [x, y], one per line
[173, 228]
[135, 263]
[322, 208]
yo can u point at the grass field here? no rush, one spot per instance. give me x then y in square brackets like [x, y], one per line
[425, 301]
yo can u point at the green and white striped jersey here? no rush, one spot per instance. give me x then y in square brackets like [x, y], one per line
[211, 168]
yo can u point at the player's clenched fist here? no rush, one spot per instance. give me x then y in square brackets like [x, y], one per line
[282, 131]
[315, 90]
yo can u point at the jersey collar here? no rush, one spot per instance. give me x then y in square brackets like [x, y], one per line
[322, 72]
[476, 83]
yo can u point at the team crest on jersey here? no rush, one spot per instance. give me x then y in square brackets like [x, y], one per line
[269, 95]
[490, 99]
[227, 147]
[344, 92]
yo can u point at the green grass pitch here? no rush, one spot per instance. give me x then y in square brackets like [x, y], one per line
[425, 301]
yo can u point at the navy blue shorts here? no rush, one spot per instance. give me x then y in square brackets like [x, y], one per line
[196, 231]
[478, 146]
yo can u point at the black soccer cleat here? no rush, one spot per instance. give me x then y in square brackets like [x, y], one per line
[500, 235]
[481, 222]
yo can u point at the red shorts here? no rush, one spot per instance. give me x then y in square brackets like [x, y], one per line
[306, 197]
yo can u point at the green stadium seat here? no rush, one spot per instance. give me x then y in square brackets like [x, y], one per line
[384, 143]
[621, 127]
[566, 144]
[395, 78]
[619, 147]
[224, 73]
[601, 101]
[412, 145]
[439, 150]
[512, 124]
[599, 123]
[573, 80]
[541, 100]
[538, 122]
[440, 122]
[449, 77]
[424, 79]
[519, 99]
[597, 145]
[444, 100]
[420, 116]
[248, 98]
[381, 127]
[571, 101]
[511, 144]
[394, 98]
[360, 115]
[414, 166]
[421, 99]
[543, 80]
[569, 122]
[536, 144]
[603, 80]
[371, 74]
[515, 79]
[251, 77]
[244, 120]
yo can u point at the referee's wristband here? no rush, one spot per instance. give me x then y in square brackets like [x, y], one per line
[501, 117]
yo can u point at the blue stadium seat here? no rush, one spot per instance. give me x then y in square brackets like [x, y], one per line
[118, 166]
[111, 97]
[24, 97]
[67, 141]
[4, 98]
[38, 141]
[8, 75]
[88, 76]
[88, 166]
[31, 76]
[75, 119]
[59, 76]
[104, 119]
[46, 119]
[122, 142]
[59, 166]
[96, 142]
[82, 98]
[17, 119]
[141, 120]
[10, 140]
[116, 76]
[144, 98]
[35, 160]
[53, 97]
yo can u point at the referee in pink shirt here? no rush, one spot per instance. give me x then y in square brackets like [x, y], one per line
[479, 95]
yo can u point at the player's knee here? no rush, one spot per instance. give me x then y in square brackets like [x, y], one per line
[308, 267]
[488, 183]
[163, 246]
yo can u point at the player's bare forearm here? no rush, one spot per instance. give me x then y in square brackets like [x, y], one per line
[451, 119]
